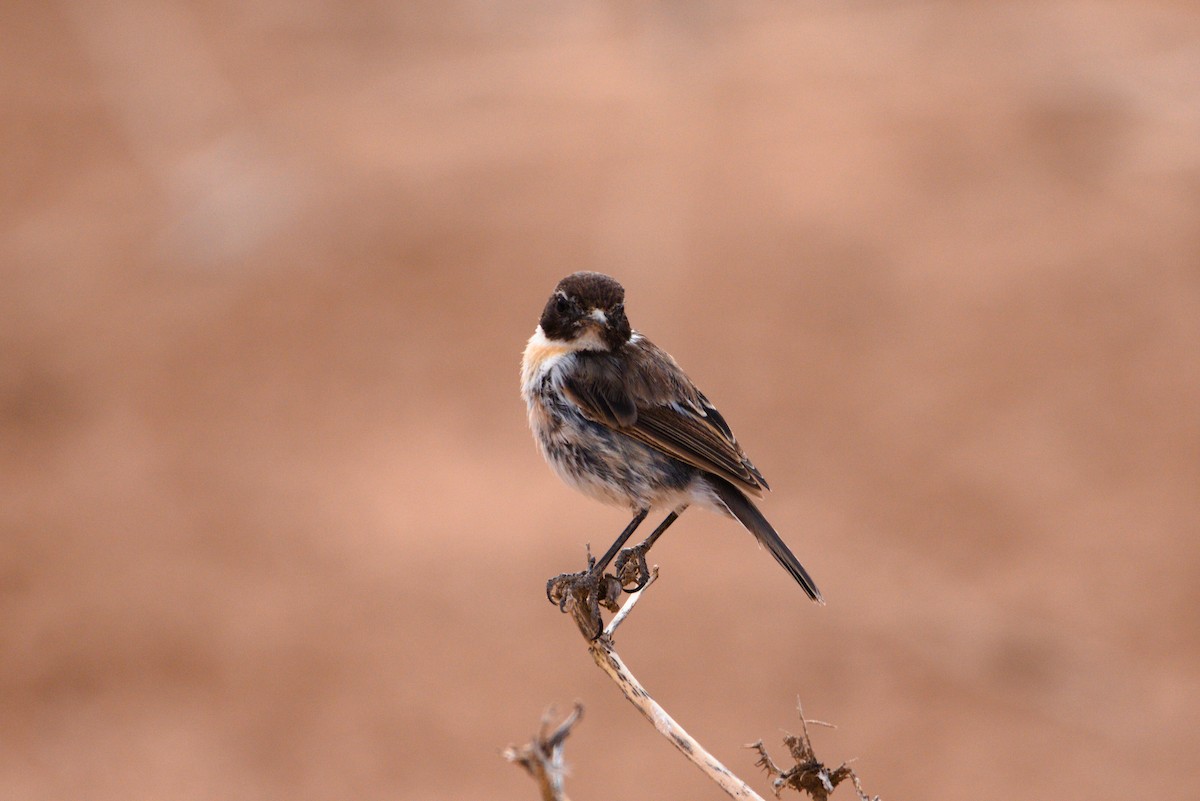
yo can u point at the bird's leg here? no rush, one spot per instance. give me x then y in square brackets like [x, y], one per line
[621, 540]
[589, 588]
[637, 572]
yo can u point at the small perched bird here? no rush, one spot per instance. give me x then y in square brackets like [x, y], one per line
[617, 419]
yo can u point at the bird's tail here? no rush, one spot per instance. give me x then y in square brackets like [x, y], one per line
[748, 515]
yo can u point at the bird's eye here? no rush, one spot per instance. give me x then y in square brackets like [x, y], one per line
[562, 305]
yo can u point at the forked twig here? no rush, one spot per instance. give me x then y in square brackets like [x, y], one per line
[542, 756]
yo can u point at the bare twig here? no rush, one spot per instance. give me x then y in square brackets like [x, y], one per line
[627, 607]
[605, 656]
[542, 756]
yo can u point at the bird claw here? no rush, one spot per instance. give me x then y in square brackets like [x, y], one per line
[631, 568]
[582, 594]
[566, 586]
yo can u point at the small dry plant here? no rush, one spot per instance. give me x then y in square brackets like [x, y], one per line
[543, 758]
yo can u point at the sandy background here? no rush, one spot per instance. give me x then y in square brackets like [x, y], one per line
[271, 524]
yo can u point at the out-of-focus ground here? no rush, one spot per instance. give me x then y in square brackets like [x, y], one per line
[272, 527]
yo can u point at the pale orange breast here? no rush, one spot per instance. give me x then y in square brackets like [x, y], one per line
[540, 353]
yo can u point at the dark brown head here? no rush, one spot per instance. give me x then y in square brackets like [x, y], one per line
[587, 309]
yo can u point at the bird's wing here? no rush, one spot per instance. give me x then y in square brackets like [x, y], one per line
[641, 391]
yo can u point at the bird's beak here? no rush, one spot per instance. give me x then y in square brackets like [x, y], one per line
[597, 316]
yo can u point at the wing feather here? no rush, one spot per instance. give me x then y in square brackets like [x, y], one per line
[643, 393]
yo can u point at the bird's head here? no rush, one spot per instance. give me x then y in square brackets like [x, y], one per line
[587, 310]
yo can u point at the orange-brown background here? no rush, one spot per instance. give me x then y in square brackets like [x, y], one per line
[272, 526]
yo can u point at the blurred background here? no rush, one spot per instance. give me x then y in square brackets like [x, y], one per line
[272, 525]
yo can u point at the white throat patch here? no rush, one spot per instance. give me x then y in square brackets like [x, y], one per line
[542, 353]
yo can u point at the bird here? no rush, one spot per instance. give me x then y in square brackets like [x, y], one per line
[617, 418]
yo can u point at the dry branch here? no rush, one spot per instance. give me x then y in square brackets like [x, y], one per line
[606, 657]
[543, 757]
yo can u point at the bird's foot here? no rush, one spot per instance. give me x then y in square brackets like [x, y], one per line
[582, 594]
[631, 569]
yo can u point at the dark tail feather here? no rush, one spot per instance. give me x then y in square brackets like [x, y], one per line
[748, 515]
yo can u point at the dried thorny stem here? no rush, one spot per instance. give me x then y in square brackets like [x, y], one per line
[809, 775]
[542, 756]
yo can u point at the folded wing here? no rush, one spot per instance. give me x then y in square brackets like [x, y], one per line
[647, 396]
